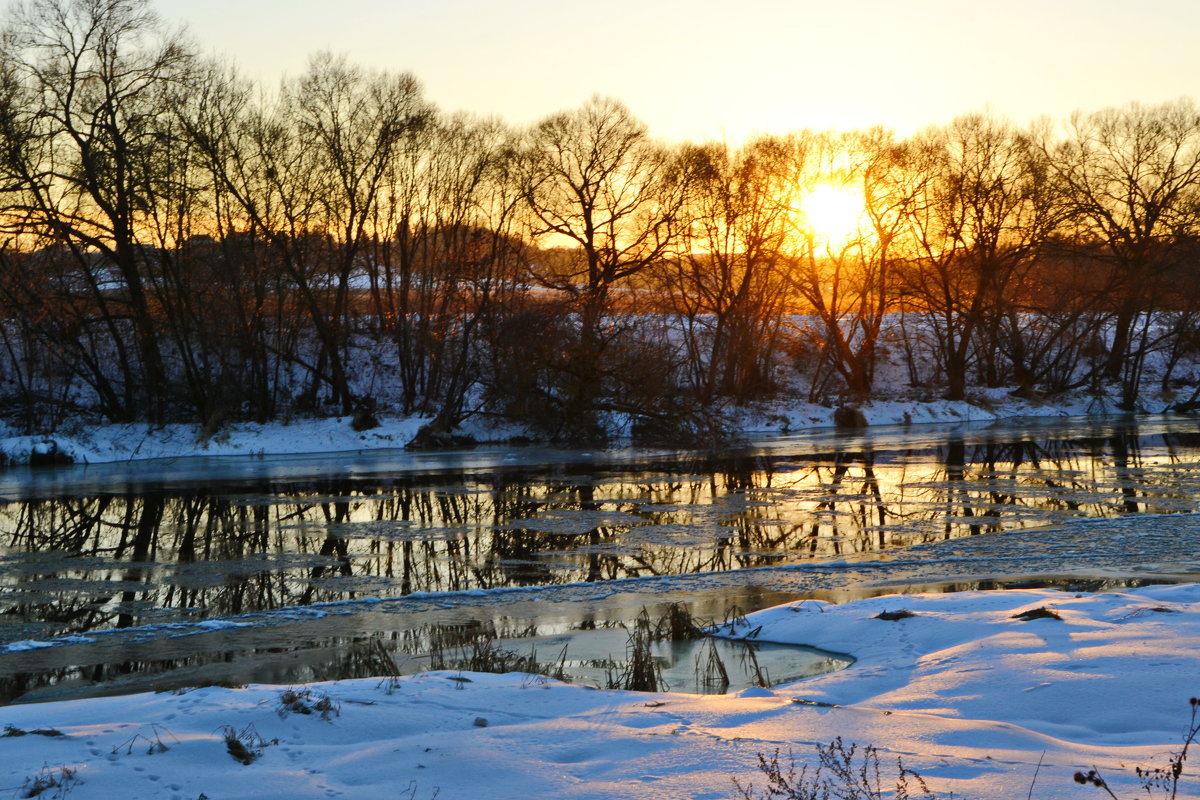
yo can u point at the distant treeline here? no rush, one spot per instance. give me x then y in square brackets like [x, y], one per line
[183, 244]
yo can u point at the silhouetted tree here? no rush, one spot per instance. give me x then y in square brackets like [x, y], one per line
[356, 125]
[88, 85]
[728, 284]
[986, 209]
[596, 185]
[1132, 181]
[850, 284]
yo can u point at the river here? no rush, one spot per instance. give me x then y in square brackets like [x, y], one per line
[123, 577]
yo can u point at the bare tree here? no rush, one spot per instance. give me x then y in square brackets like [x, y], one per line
[850, 284]
[453, 263]
[250, 328]
[987, 208]
[96, 78]
[308, 173]
[728, 284]
[597, 187]
[357, 124]
[1132, 181]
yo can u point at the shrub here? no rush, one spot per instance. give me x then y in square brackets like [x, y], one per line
[846, 772]
[61, 780]
[1155, 780]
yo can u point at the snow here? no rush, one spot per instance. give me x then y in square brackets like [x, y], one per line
[99, 443]
[95, 444]
[25, 645]
[985, 405]
[969, 694]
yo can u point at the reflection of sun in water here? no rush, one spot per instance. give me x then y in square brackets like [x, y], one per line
[831, 213]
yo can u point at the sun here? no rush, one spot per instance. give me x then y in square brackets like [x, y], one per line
[831, 213]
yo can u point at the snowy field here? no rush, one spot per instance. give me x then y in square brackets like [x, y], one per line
[968, 693]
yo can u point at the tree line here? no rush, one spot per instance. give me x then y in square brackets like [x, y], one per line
[181, 243]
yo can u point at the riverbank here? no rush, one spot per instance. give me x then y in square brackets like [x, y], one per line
[81, 443]
[1003, 694]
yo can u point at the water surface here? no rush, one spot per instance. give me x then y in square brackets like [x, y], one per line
[278, 569]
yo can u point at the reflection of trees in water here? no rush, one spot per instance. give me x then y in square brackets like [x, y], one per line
[116, 560]
[329, 658]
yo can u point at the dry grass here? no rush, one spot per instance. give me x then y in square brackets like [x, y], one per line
[843, 771]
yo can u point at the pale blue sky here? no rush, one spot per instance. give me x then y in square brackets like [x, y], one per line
[710, 70]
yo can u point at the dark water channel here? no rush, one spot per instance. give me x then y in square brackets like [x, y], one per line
[122, 577]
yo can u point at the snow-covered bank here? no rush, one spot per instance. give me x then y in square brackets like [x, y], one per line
[985, 405]
[966, 691]
[95, 444]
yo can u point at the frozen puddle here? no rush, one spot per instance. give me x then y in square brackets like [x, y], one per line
[700, 666]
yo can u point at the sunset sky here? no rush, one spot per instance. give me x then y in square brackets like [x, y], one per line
[703, 69]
